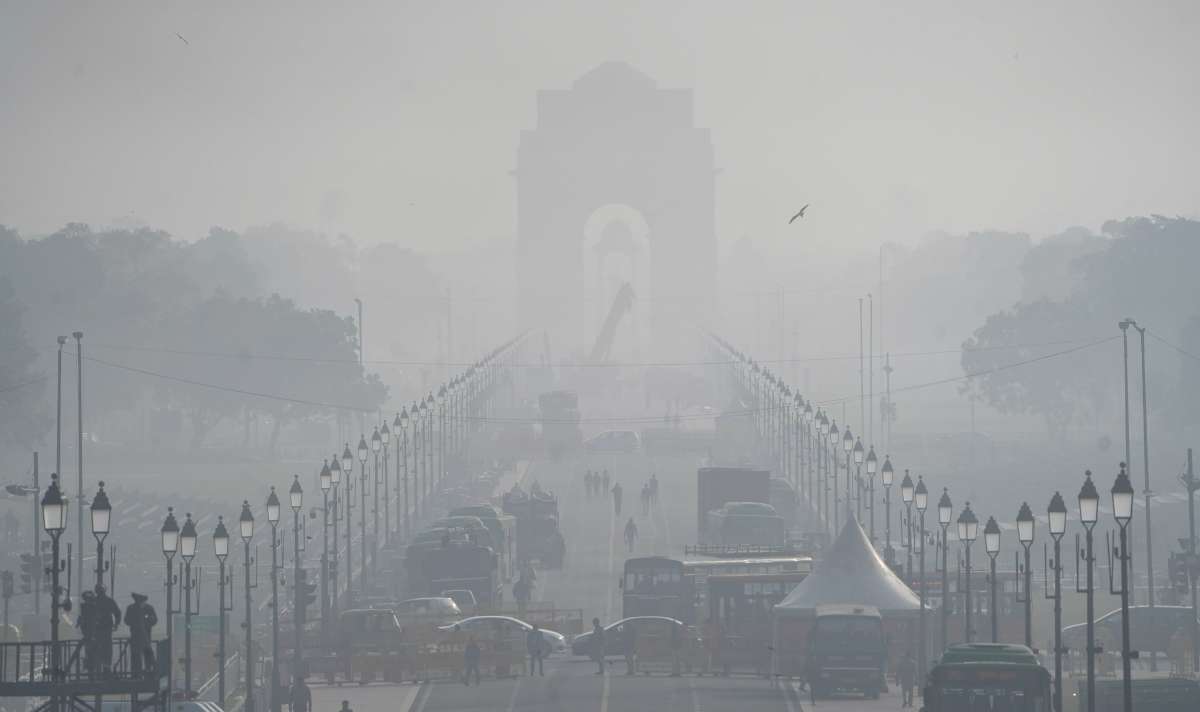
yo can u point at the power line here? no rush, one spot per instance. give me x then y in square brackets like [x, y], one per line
[18, 386]
[1182, 351]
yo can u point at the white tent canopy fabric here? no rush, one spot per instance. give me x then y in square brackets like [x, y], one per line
[850, 572]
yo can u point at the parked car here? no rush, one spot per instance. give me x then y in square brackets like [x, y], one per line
[369, 630]
[428, 606]
[1150, 629]
[464, 597]
[508, 627]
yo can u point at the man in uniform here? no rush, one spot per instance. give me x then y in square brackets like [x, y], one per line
[141, 619]
[598, 645]
[108, 618]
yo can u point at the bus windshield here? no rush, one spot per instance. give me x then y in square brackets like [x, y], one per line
[848, 633]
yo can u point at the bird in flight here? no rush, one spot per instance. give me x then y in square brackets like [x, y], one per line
[183, 38]
[799, 214]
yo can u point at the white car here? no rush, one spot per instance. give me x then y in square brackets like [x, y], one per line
[512, 628]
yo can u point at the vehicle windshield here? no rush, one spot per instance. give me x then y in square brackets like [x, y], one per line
[848, 633]
[986, 689]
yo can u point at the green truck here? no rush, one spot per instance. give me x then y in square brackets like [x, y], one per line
[988, 676]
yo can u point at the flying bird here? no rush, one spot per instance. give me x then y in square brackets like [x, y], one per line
[183, 38]
[799, 214]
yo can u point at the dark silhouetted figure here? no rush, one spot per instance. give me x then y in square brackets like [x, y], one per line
[629, 647]
[906, 675]
[86, 622]
[535, 645]
[141, 619]
[300, 696]
[597, 644]
[616, 495]
[108, 619]
[471, 655]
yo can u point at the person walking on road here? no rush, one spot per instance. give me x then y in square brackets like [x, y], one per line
[631, 535]
[300, 697]
[629, 647]
[605, 480]
[598, 645]
[616, 495]
[906, 675]
[535, 645]
[522, 592]
[471, 655]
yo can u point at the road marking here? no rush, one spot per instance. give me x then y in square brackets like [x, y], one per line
[791, 694]
[512, 700]
[604, 694]
[695, 697]
[424, 692]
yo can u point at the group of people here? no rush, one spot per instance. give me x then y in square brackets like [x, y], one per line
[535, 646]
[649, 494]
[99, 616]
[596, 483]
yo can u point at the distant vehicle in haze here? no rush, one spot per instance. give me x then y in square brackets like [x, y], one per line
[428, 606]
[465, 599]
[614, 441]
[511, 629]
[645, 626]
[1150, 629]
[990, 676]
[846, 651]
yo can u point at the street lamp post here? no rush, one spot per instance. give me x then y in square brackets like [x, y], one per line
[921, 500]
[296, 500]
[835, 437]
[246, 529]
[906, 496]
[1056, 515]
[386, 435]
[418, 456]
[441, 406]
[335, 479]
[101, 522]
[273, 520]
[376, 448]
[362, 513]
[347, 471]
[1025, 524]
[848, 447]
[968, 528]
[54, 521]
[432, 477]
[326, 482]
[856, 449]
[945, 511]
[1122, 503]
[187, 549]
[1089, 505]
[170, 545]
[991, 544]
[872, 468]
[402, 461]
[221, 550]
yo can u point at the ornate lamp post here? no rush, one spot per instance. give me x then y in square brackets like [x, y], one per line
[945, 511]
[335, 479]
[1122, 503]
[386, 436]
[441, 407]
[921, 501]
[273, 520]
[848, 447]
[1056, 515]
[362, 514]
[187, 549]
[1025, 525]
[906, 496]
[54, 521]
[835, 438]
[432, 477]
[823, 469]
[326, 482]
[991, 544]
[101, 521]
[170, 545]
[402, 461]
[347, 471]
[221, 550]
[246, 530]
[859, 456]
[968, 528]
[296, 500]
[376, 447]
[1089, 506]
[418, 456]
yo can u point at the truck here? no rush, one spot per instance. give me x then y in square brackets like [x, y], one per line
[717, 485]
[846, 651]
[991, 676]
[433, 567]
[537, 533]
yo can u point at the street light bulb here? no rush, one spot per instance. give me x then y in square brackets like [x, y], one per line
[101, 512]
[362, 450]
[385, 433]
[833, 433]
[1122, 498]
[54, 508]
[1056, 513]
[170, 534]
[246, 522]
[273, 507]
[1025, 523]
[403, 420]
[376, 441]
[921, 498]
[873, 463]
[347, 461]
[335, 472]
[991, 537]
[1089, 501]
[847, 440]
[968, 524]
[888, 473]
[906, 488]
[859, 453]
[221, 540]
[296, 494]
[326, 478]
[945, 508]
[187, 538]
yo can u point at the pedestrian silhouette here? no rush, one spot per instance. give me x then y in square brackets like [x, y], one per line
[141, 618]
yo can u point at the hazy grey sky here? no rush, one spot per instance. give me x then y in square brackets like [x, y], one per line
[395, 120]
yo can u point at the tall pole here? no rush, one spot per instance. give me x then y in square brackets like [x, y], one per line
[402, 459]
[362, 528]
[79, 482]
[35, 542]
[349, 535]
[1146, 491]
[871, 372]
[187, 624]
[1126, 662]
[1058, 647]
[276, 701]
[967, 622]
[862, 386]
[945, 590]
[992, 602]
[923, 635]
[221, 609]
[333, 566]
[325, 565]
[297, 619]
[1193, 564]
[375, 515]
[55, 655]
[387, 497]
[57, 421]
[249, 666]
[1091, 620]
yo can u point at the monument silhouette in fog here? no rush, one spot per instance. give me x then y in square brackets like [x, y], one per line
[614, 185]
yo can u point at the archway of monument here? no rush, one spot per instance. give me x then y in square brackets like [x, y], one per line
[616, 250]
